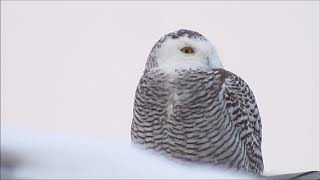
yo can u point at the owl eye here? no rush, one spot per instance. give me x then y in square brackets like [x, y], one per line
[187, 50]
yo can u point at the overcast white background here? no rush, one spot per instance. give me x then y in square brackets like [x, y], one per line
[72, 67]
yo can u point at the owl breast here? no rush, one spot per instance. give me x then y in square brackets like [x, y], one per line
[182, 115]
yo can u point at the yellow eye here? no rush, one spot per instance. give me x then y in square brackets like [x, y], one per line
[187, 50]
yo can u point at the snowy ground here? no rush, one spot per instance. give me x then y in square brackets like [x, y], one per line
[51, 156]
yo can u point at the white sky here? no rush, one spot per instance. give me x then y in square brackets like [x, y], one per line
[72, 67]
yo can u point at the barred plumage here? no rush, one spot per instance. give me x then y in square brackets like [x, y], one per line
[197, 113]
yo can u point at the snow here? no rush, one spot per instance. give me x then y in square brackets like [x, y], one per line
[42, 155]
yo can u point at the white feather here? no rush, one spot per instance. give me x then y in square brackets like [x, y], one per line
[171, 58]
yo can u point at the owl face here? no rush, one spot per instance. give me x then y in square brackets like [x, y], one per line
[185, 49]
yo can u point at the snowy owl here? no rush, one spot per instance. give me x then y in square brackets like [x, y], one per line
[189, 107]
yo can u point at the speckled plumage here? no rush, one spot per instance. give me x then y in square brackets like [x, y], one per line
[198, 113]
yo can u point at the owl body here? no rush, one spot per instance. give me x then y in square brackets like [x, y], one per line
[197, 113]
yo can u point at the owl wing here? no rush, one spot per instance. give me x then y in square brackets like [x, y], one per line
[243, 112]
[149, 108]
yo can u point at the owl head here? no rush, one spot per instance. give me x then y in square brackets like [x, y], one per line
[183, 49]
